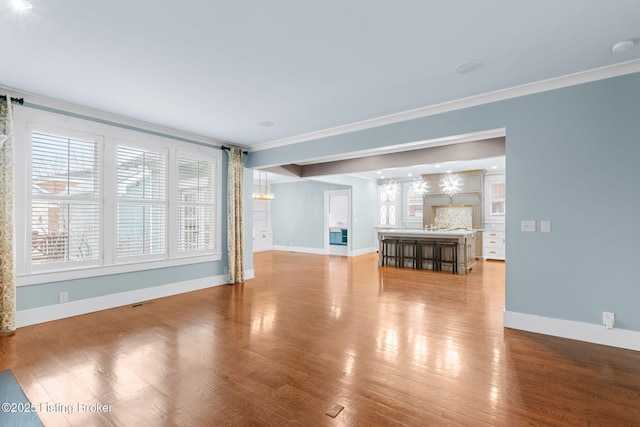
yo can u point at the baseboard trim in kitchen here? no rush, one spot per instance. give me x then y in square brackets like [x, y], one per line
[581, 331]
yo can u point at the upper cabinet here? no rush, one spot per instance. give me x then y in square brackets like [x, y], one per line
[495, 198]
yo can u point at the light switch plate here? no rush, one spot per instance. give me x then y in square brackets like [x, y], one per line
[528, 225]
[545, 226]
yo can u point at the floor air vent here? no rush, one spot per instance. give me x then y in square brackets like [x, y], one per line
[140, 304]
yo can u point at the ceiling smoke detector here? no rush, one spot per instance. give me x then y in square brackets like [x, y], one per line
[623, 46]
[468, 67]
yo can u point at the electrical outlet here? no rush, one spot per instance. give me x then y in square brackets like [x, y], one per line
[63, 297]
[608, 319]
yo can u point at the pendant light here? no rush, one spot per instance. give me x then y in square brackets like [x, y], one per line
[450, 184]
[420, 186]
[263, 193]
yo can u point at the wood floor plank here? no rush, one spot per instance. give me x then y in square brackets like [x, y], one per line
[395, 347]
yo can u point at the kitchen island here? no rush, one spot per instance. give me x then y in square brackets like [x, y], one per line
[464, 238]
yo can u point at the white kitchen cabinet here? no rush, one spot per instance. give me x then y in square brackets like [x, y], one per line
[262, 239]
[493, 244]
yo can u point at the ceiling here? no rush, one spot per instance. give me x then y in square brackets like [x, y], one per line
[493, 165]
[255, 73]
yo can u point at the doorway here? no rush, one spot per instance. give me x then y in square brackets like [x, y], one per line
[337, 222]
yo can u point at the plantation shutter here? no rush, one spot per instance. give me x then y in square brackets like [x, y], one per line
[65, 191]
[196, 208]
[141, 202]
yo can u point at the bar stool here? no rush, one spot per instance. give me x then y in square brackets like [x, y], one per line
[427, 252]
[390, 251]
[407, 251]
[453, 260]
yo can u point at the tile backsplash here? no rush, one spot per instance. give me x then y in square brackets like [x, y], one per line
[453, 216]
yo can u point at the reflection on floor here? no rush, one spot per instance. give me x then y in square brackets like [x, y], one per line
[392, 346]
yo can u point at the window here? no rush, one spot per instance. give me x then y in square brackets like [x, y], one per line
[141, 210]
[65, 199]
[497, 199]
[103, 199]
[386, 205]
[196, 209]
[413, 203]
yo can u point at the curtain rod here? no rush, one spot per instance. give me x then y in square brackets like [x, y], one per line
[229, 148]
[14, 100]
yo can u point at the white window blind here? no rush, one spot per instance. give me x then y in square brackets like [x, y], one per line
[196, 208]
[141, 202]
[65, 193]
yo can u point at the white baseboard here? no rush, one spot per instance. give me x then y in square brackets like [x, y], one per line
[581, 331]
[322, 251]
[317, 251]
[75, 308]
[364, 251]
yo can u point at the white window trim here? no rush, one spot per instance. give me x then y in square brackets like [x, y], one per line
[26, 119]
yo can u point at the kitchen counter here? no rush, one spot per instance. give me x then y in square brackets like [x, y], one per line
[465, 239]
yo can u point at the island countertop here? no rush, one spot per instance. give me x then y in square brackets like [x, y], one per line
[425, 232]
[464, 238]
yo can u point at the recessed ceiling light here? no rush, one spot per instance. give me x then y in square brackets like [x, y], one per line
[266, 124]
[409, 174]
[379, 173]
[623, 45]
[468, 67]
[437, 166]
[21, 5]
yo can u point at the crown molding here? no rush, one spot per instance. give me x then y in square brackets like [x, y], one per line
[66, 108]
[595, 74]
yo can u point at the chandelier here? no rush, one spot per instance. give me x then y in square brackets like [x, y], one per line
[450, 184]
[390, 187]
[420, 186]
[263, 193]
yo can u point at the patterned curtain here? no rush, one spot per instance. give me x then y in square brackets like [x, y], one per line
[235, 237]
[7, 284]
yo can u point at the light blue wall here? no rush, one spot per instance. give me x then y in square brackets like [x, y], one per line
[297, 213]
[572, 158]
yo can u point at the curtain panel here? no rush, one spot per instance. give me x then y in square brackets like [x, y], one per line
[7, 269]
[235, 211]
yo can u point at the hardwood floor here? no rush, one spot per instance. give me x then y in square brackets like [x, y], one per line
[391, 346]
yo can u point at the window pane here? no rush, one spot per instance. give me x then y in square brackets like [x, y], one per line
[383, 214]
[498, 191]
[64, 232]
[195, 181]
[141, 174]
[392, 215]
[141, 229]
[63, 166]
[196, 209]
[196, 228]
